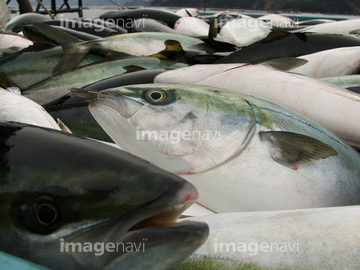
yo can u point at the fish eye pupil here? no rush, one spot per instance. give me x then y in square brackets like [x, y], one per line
[46, 214]
[155, 95]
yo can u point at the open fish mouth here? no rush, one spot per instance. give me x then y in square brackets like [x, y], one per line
[149, 233]
[167, 218]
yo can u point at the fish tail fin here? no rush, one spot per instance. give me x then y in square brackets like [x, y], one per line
[213, 30]
[74, 49]
[172, 50]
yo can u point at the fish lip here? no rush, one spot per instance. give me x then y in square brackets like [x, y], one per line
[186, 195]
[115, 103]
[170, 214]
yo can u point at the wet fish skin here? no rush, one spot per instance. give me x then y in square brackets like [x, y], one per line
[282, 45]
[293, 91]
[57, 186]
[122, 17]
[73, 110]
[244, 161]
[52, 89]
[17, 108]
[28, 68]
[322, 238]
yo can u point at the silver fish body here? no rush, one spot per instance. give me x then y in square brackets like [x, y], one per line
[242, 153]
[322, 238]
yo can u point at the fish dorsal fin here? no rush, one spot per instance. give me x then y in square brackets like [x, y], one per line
[294, 150]
[133, 68]
[355, 32]
[285, 64]
[73, 51]
[62, 126]
[14, 90]
[188, 13]
[172, 49]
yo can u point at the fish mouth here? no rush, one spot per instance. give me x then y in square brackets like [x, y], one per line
[124, 105]
[166, 218]
[157, 223]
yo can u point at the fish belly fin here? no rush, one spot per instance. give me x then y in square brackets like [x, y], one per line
[294, 150]
[172, 49]
[285, 64]
[74, 49]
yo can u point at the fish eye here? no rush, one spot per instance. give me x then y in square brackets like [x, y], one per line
[45, 214]
[45, 210]
[156, 96]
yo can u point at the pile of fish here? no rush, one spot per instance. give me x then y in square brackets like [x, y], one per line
[193, 142]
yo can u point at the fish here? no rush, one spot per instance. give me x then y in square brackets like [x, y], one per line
[59, 190]
[17, 23]
[242, 153]
[344, 27]
[54, 88]
[11, 44]
[151, 25]
[27, 68]
[307, 96]
[17, 108]
[161, 45]
[192, 26]
[280, 44]
[188, 12]
[95, 27]
[319, 238]
[244, 31]
[330, 63]
[278, 21]
[343, 81]
[32, 33]
[125, 18]
[73, 108]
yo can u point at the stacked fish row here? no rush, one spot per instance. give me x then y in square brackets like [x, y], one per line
[255, 119]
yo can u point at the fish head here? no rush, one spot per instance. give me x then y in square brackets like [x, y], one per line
[73, 203]
[184, 129]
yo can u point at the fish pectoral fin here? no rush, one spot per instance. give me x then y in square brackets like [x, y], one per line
[285, 64]
[172, 49]
[73, 50]
[294, 150]
[133, 68]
